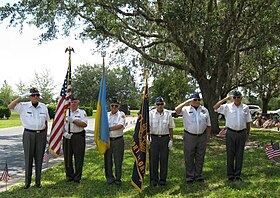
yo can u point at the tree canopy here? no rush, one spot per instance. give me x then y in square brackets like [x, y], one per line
[206, 38]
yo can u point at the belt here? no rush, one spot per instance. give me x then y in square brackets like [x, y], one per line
[35, 131]
[76, 133]
[160, 135]
[193, 133]
[115, 138]
[237, 131]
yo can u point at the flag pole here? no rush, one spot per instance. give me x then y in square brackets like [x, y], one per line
[148, 134]
[7, 175]
[69, 50]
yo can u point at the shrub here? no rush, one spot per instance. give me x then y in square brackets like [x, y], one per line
[88, 110]
[5, 112]
[51, 110]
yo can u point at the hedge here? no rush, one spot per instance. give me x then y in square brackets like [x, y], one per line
[5, 112]
[51, 109]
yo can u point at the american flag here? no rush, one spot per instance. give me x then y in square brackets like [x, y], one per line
[5, 174]
[58, 123]
[46, 157]
[271, 153]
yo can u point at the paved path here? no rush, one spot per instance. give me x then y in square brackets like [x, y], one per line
[11, 149]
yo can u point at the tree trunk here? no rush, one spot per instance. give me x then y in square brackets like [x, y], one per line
[210, 98]
[265, 102]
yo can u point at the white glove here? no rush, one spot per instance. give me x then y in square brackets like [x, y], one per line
[25, 95]
[170, 144]
[149, 140]
[69, 119]
[67, 135]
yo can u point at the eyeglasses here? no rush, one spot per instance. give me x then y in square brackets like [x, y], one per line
[158, 104]
[196, 99]
[33, 95]
[114, 105]
[235, 97]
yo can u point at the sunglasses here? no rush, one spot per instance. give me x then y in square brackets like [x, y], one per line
[114, 105]
[33, 95]
[196, 99]
[158, 104]
[235, 97]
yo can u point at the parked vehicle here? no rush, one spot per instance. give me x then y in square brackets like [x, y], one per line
[125, 108]
[275, 112]
[254, 109]
[175, 115]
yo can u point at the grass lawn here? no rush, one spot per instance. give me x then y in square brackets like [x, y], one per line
[13, 121]
[261, 177]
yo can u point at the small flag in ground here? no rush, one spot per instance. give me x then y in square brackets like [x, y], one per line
[46, 157]
[5, 174]
[271, 153]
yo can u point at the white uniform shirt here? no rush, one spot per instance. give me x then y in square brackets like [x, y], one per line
[196, 121]
[160, 123]
[116, 119]
[80, 115]
[32, 118]
[236, 117]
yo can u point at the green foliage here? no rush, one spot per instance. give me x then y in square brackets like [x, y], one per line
[6, 93]
[88, 110]
[207, 39]
[45, 83]
[51, 110]
[5, 112]
[173, 85]
[120, 84]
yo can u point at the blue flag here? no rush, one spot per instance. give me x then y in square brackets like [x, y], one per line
[139, 142]
[101, 130]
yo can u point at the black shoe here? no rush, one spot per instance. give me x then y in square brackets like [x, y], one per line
[69, 180]
[231, 179]
[154, 184]
[26, 186]
[77, 181]
[238, 178]
[190, 180]
[38, 185]
[162, 183]
[199, 179]
[118, 182]
[110, 182]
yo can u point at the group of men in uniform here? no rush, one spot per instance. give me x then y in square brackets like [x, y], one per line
[197, 129]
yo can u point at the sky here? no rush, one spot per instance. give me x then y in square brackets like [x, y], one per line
[21, 55]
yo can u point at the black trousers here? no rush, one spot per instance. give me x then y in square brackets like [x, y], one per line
[34, 145]
[159, 156]
[235, 143]
[74, 147]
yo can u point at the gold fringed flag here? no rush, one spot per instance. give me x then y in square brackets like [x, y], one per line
[139, 144]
